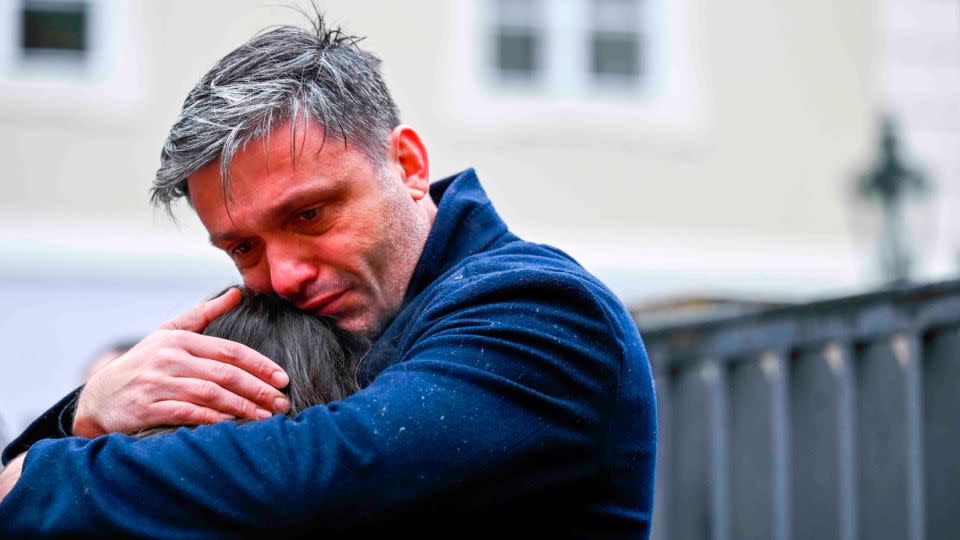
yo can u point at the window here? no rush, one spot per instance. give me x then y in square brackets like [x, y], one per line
[599, 65]
[72, 58]
[518, 40]
[570, 46]
[54, 29]
[615, 39]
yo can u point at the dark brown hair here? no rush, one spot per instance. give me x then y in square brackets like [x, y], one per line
[321, 359]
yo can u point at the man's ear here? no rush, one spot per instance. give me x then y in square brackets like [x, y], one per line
[408, 152]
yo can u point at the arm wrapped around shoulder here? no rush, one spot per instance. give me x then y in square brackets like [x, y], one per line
[518, 396]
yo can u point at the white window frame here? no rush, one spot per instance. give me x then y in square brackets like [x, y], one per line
[639, 27]
[566, 30]
[510, 77]
[667, 105]
[108, 83]
[61, 60]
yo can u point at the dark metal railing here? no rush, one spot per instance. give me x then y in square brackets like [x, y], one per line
[831, 420]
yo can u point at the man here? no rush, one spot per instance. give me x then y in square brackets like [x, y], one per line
[505, 386]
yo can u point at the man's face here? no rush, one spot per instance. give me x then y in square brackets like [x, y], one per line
[331, 232]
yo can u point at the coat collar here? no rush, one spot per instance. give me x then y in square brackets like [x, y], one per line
[466, 223]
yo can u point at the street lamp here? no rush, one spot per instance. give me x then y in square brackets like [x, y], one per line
[887, 182]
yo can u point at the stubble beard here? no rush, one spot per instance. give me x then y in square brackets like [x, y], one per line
[408, 232]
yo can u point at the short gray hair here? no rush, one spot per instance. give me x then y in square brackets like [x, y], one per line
[285, 73]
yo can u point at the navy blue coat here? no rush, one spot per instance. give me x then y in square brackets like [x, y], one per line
[511, 389]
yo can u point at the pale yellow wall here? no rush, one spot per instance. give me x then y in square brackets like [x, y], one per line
[788, 110]
[785, 111]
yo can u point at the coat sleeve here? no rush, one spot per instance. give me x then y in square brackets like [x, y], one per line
[55, 423]
[503, 393]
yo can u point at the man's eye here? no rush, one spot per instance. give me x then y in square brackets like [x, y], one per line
[240, 249]
[309, 215]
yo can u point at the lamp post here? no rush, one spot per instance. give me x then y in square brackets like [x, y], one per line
[888, 181]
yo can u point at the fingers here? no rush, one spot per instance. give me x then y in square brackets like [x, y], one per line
[209, 395]
[235, 354]
[226, 388]
[177, 413]
[177, 376]
[197, 318]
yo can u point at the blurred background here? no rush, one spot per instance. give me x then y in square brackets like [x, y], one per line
[707, 160]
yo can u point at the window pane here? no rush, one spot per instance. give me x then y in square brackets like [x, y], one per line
[516, 52]
[615, 38]
[517, 31]
[518, 13]
[614, 15]
[616, 54]
[57, 26]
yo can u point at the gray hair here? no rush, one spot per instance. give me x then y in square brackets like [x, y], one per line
[283, 74]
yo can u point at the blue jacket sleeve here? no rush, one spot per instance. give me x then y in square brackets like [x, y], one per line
[503, 391]
[55, 423]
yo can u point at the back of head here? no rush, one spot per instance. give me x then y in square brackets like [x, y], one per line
[321, 359]
[285, 74]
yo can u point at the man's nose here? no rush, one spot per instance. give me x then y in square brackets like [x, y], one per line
[290, 273]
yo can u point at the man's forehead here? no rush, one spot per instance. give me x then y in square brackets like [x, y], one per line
[284, 151]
